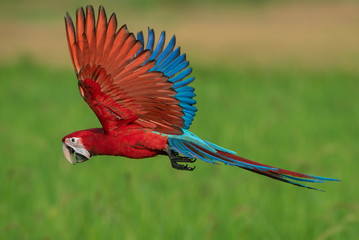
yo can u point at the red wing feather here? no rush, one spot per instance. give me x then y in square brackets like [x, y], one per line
[115, 81]
[91, 34]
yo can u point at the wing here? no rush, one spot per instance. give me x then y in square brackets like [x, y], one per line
[174, 66]
[126, 83]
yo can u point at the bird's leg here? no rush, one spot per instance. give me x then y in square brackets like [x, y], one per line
[175, 159]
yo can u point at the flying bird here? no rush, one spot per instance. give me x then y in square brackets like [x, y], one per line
[139, 91]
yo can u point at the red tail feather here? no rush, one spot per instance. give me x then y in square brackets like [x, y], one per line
[281, 171]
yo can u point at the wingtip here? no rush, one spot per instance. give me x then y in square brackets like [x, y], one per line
[90, 11]
[89, 7]
[69, 23]
[101, 9]
[67, 16]
[113, 15]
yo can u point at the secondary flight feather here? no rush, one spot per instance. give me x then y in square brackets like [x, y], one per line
[139, 91]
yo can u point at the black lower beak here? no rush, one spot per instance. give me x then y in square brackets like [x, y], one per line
[80, 158]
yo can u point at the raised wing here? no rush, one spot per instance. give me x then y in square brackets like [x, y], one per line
[174, 66]
[125, 83]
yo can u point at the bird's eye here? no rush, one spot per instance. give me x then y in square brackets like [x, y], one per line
[73, 140]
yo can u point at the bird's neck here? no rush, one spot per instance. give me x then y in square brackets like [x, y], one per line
[98, 142]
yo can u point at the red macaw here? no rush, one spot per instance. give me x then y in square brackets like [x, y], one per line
[141, 96]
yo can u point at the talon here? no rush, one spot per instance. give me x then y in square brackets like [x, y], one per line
[190, 168]
[175, 159]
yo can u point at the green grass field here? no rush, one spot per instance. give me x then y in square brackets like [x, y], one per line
[300, 120]
[289, 100]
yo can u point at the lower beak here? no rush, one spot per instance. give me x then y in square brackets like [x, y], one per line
[80, 158]
[69, 153]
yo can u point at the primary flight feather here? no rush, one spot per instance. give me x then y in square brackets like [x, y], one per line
[140, 93]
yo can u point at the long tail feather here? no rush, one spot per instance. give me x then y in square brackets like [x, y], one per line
[194, 147]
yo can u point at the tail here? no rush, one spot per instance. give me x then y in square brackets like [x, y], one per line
[192, 146]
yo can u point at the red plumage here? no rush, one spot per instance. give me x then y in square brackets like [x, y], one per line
[112, 76]
[130, 141]
[129, 101]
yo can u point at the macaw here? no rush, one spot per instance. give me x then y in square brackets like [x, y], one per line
[141, 95]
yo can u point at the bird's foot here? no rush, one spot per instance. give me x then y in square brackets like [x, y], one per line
[175, 165]
[175, 159]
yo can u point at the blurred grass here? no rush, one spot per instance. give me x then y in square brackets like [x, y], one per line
[39, 9]
[302, 120]
[315, 35]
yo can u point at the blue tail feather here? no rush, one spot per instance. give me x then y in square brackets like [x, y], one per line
[180, 148]
[192, 146]
[325, 178]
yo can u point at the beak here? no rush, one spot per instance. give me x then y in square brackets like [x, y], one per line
[69, 153]
[81, 154]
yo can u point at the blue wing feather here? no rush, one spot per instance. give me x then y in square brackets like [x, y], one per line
[186, 100]
[150, 40]
[167, 50]
[181, 75]
[191, 113]
[188, 107]
[184, 89]
[170, 58]
[173, 65]
[140, 38]
[185, 94]
[183, 83]
[178, 68]
[159, 46]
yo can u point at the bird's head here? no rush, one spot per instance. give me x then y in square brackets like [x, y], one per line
[73, 144]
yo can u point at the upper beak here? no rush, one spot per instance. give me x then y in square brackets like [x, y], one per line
[69, 153]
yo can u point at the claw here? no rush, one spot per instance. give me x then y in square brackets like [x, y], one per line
[175, 165]
[175, 159]
[190, 168]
